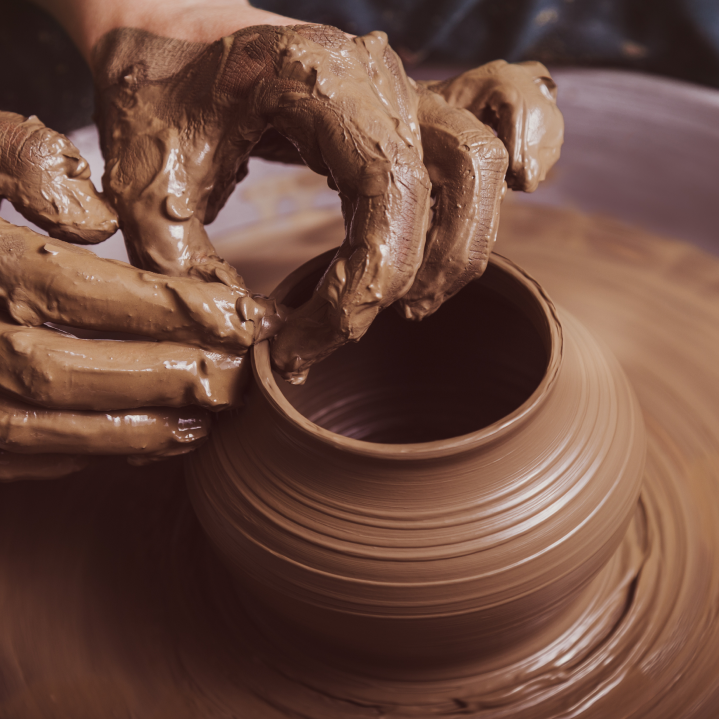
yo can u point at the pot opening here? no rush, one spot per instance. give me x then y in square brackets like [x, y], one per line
[469, 365]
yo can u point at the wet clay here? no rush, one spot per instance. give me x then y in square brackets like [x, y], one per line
[45, 280]
[112, 599]
[61, 393]
[477, 547]
[414, 398]
[101, 396]
[179, 120]
[43, 175]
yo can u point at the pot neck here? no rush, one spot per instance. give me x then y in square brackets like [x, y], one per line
[505, 278]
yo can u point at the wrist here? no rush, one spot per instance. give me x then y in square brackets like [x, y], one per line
[86, 21]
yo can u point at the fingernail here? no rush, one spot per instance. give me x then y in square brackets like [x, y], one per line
[291, 370]
[267, 316]
[296, 378]
[178, 208]
[250, 310]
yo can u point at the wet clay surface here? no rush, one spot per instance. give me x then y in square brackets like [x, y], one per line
[112, 601]
[60, 393]
[415, 397]
[43, 175]
[425, 563]
[179, 120]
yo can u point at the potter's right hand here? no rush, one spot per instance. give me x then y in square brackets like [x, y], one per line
[63, 398]
[179, 120]
[182, 104]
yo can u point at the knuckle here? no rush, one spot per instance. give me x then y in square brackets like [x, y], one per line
[488, 149]
[33, 379]
[13, 429]
[409, 171]
[496, 149]
[19, 343]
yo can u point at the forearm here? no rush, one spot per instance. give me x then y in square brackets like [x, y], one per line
[86, 21]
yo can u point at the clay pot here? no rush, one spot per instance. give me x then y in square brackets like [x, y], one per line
[439, 494]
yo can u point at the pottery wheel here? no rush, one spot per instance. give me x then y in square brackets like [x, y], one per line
[112, 604]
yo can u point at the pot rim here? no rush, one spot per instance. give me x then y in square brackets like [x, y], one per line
[265, 380]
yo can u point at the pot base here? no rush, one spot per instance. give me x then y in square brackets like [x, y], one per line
[599, 662]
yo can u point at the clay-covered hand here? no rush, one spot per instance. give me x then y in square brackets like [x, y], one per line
[519, 102]
[63, 398]
[179, 120]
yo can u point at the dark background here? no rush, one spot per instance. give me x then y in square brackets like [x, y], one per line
[43, 74]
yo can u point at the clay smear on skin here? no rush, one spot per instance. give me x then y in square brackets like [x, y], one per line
[179, 120]
[65, 394]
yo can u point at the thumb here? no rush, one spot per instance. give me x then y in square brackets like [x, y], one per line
[47, 180]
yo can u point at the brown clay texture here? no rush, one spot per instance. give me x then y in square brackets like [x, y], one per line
[179, 120]
[112, 601]
[83, 395]
[472, 550]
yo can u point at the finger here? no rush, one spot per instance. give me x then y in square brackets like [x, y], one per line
[45, 178]
[363, 133]
[15, 467]
[25, 429]
[529, 123]
[171, 159]
[165, 195]
[467, 165]
[45, 280]
[46, 367]
[519, 102]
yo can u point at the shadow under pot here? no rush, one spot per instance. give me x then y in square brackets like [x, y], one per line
[440, 497]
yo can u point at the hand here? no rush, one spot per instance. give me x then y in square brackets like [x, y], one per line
[63, 398]
[519, 102]
[179, 118]
[44, 177]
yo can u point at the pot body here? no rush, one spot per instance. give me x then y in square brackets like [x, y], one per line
[434, 553]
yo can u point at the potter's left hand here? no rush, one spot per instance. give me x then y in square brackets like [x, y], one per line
[63, 398]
